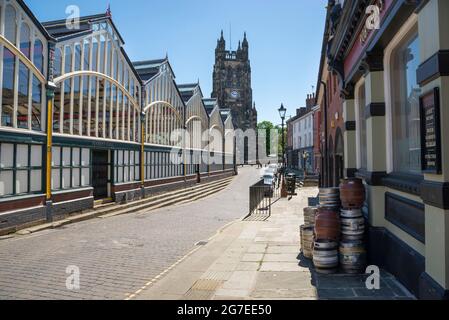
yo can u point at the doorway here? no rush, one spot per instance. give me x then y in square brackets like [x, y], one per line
[100, 173]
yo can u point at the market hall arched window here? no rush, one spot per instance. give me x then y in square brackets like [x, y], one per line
[406, 145]
[38, 55]
[25, 40]
[11, 24]
[9, 64]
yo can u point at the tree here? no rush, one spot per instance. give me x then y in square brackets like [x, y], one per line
[267, 126]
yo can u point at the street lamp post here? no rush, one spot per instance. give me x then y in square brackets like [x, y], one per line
[282, 111]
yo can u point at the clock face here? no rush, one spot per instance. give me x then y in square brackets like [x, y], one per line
[234, 94]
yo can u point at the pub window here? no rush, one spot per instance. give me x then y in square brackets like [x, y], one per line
[20, 169]
[70, 168]
[406, 144]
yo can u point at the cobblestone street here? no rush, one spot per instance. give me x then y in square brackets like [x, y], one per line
[116, 256]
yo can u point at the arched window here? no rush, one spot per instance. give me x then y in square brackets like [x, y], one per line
[77, 57]
[94, 54]
[38, 55]
[68, 59]
[8, 88]
[10, 24]
[93, 107]
[102, 53]
[22, 98]
[25, 40]
[36, 110]
[86, 49]
[67, 90]
[58, 63]
[109, 53]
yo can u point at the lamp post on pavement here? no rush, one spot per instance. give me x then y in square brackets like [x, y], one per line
[282, 112]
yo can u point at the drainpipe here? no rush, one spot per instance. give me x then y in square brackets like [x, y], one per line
[326, 160]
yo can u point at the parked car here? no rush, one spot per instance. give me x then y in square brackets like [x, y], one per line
[274, 168]
[269, 179]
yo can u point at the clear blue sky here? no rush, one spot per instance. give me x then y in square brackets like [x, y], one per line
[284, 36]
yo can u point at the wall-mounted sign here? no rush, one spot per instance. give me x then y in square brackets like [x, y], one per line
[372, 20]
[430, 132]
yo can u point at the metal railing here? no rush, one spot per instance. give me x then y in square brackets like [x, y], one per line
[262, 197]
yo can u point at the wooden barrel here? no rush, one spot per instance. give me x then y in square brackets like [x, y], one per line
[352, 255]
[351, 213]
[301, 228]
[307, 242]
[329, 197]
[352, 193]
[309, 215]
[327, 224]
[325, 256]
[353, 228]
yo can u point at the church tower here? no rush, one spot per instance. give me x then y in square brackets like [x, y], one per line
[232, 83]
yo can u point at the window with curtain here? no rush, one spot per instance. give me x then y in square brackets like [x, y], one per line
[405, 105]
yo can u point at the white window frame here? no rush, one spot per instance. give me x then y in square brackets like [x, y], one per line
[403, 32]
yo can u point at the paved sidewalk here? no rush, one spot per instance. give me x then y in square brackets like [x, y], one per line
[251, 260]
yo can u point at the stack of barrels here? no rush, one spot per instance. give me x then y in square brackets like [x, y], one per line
[352, 248]
[327, 231]
[307, 231]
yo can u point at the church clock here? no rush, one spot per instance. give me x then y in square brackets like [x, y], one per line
[235, 94]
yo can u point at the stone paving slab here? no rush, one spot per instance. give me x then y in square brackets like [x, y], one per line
[261, 261]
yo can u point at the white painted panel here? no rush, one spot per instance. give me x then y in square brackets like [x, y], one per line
[36, 156]
[21, 181]
[85, 157]
[76, 177]
[125, 174]
[76, 157]
[55, 179]
[5, 183]
[66, 156]
[36, 181]
[7, 154]
[56, 157]
[120, 174]
[22, 156]
[66, 178]
[120, 157]
[85, 177]
[126, 159]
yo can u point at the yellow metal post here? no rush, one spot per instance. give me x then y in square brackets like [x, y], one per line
[142, 150]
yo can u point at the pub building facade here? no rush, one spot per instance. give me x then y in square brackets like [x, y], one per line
[394, 82]
[81, 123]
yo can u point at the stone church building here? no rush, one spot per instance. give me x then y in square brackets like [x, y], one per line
[232, 83]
